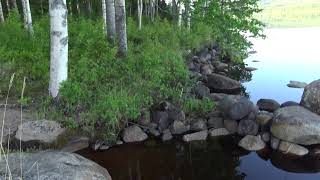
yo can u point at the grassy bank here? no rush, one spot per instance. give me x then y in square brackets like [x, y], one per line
[102, 88]
[290, 13]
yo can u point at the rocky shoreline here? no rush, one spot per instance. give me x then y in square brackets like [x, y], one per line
[289, 128]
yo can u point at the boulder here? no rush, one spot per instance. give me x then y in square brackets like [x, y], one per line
[297, 84]
[222, 96]
[220, 66]
[248, 127]
[201, 90]
[43, 131]
[289, 103]
[76, 144]
[154, 132]
[206, 69]
[236, 108]
[166, 136]
[268, 105]
[274, 143]
[222, 84]
[52, 165]
[198, 125]
[231, 125]
[265, 136]
[162, 119]
[218, 132]
[252, 143]
[263, 118]
[133, 134]
[297, 125]
[215, 122]
[311, 97]
[178, 127]
[291, 148]
[198, 136]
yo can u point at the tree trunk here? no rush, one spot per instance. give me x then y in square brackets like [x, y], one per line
[27, 16]
[121, 28]
[111, 21]
[188, 9]
[89, 8]
[140, 10]
[1, 14]
[8, 5]
[104, 15]
[180, 15]
[78, 7]
[59, 45]
[14, 4]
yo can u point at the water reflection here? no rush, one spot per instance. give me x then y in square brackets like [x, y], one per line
[218, 159]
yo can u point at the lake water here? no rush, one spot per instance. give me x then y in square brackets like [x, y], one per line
[287, 54]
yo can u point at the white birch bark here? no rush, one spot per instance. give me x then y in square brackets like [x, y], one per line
[140, 10]
[121, 27]
[27, 16]
[180, 15]
[188, 15]
[1, 14]
[104, 15]
[59, 45]
[111, 21]
[14, 4]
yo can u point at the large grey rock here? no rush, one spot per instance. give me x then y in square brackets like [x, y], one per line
[223, 84]
[215, 122]
[198, 136]
[166, 136]
[44, 131]
[296, 124]
[133, 134]
[218, 132]
[252, 143]
[53, 166]
[236, 108]
[178, 127]
[268, 105]
[248, 127]
[206, 69]
[289, 103]
[291, 148]
[162, 119]
[297, 84]
[311, 97]
[13, 120]
[222, 96]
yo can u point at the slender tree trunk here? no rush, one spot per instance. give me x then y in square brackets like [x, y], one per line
[111, 21]
[59, 45]
[8, 5]
[70, 8]
[121, 27]
[14, 4]
[188, 9]
[1, 14]
[104, 15]
[180, 15]
[89, 8]
[27, 16]
[78, 7]
[140, 10]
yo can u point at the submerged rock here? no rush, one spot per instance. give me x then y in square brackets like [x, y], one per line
[252, 143]
[291, 148]
[133, 134]
[198, 136]
[297, 84]
[296, 124]
[52, 165]
[268, 105]
[223, 84]
[311, 97]
[44, 131]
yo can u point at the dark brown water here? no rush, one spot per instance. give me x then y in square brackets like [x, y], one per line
[215, 159]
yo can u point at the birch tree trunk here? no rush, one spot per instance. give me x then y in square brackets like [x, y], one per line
[1, 14]
[180, 15]
[59, 45]
[121, 28]
[188, 9]
[111, 21]
[14, 4]
[104, 15]
[8, 5]
[140, 10]
[27, 16]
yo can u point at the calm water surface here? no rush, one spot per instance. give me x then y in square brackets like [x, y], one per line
[287, 54]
